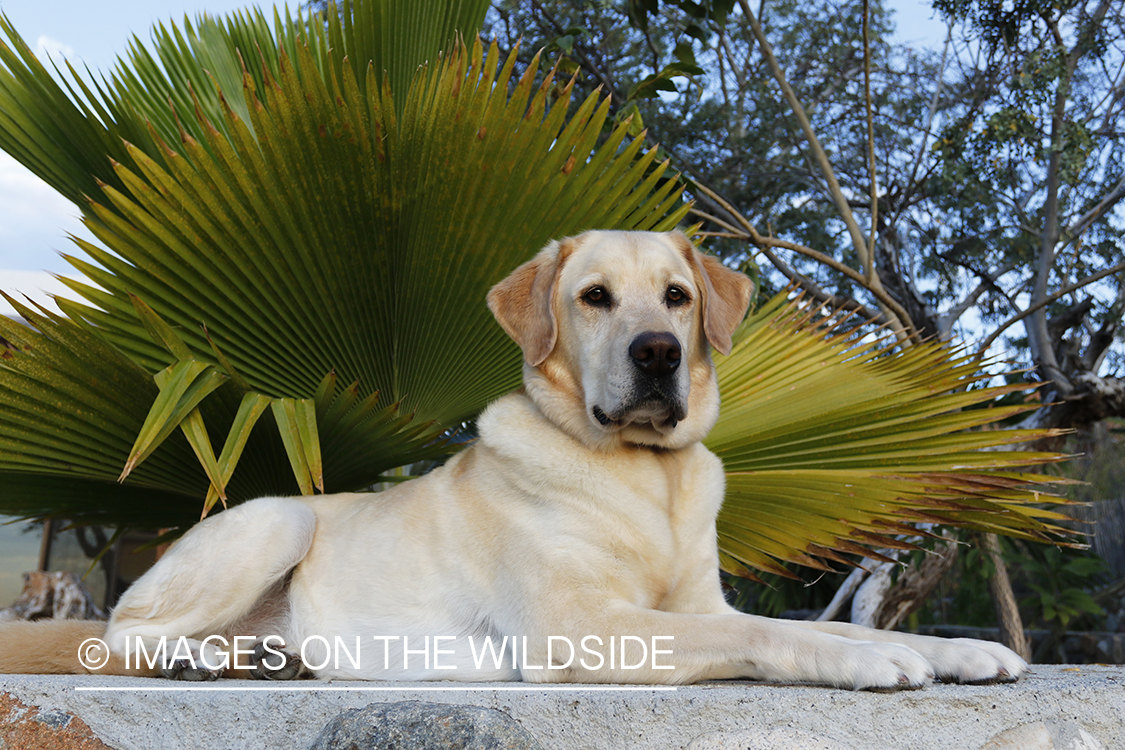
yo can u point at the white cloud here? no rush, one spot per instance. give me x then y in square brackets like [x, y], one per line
[34, 221]
[48, 48]
[38, 286]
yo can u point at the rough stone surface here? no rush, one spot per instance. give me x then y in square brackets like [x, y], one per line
[1039, 735]
[140, 714]
[773, 739]
[419, 725]
[24, 727]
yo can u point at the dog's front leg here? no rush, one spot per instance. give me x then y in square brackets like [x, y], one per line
[673, 648]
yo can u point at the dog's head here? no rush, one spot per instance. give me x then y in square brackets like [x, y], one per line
[615, 327]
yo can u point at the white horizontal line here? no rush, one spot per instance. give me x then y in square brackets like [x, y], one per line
[373, 688]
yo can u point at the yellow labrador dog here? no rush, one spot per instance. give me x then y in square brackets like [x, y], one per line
[573, 542]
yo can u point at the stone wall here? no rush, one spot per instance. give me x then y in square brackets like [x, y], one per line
[1073, 707]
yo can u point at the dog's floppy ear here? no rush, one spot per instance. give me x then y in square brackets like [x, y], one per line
[726, 295]
[522, 304]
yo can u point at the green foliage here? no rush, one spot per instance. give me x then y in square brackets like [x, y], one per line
[773, 595]
[962, 141]
[850, 442]
[963, 596]
[735, 134]
[1060, 582]
[696, 12]
[299, 231]
[1040, 104]
[1051, 582]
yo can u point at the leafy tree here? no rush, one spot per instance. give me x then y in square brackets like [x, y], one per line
[996, 164]
[1038, 137]
[733, 131]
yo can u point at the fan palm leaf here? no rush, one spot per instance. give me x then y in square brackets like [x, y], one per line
[836, 444]
[64, 129]
[324, 232]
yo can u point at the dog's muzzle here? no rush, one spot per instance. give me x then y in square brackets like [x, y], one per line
[655, 396]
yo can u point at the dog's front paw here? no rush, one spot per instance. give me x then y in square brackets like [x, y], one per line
[275, 663]
[869, 665]
[886, 667]
[972, 662]
[183, 669]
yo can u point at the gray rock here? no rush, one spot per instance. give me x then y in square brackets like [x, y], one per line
[418, 725]
[55, 719]
[135, 713]
[1044, 735]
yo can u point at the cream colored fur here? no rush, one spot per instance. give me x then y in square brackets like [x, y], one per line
[554, 524]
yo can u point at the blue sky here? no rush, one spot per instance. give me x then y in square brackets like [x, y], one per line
[96, 32]
[35, 222]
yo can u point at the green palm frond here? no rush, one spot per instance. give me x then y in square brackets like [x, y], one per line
[72, 407]
[836, 445]
[331, 234]
[68, 132]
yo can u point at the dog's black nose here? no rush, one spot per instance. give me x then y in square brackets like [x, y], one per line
[655, 353]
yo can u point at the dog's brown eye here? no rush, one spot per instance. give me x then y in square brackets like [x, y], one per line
[598, 297]
[675, 296]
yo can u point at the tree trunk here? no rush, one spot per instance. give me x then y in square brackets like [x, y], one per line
[869, 597]
[913, 586]
[1004, 601]
[882, 603]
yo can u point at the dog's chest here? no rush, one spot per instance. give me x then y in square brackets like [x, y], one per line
[637, 524]
[631, 522]
[645, 552]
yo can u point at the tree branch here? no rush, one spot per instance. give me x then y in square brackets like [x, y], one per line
[951, 316]
[1103, 338]
[900, 321]
[814, 290]
[1038, 337]
[751, 234]
[1081, 224]
[872, 172]
[586, 61]
[932, 111]
[983, 348]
